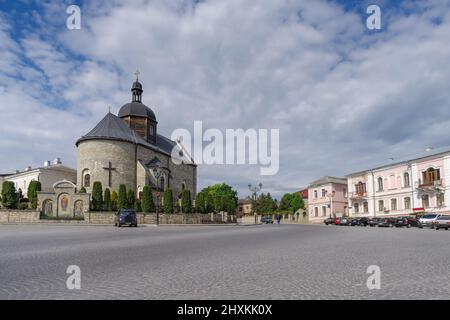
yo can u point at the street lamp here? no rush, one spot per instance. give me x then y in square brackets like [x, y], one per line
[331, 201]
[157, 174]
[254, 191]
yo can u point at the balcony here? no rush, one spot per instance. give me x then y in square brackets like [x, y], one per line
[357, 195]
[429, 185]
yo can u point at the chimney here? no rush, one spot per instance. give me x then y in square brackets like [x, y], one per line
[17, 171]
[57, 161]
[47, 164]
[28, 168]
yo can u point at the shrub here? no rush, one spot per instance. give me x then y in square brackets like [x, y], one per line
[97, 196]
[186, 203]
[131, 199]
[33, 189]
[23, 206]
[147, 200]
[122, 202]
[168, 201]
[9, 196]
[200, 203]
[107, 199]
[114, 198]
[82, 190]
[137, 205]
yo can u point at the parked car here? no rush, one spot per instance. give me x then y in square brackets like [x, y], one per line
[373, 222]
[442, 222]
[406, 222]
[266, 219]
[386, 222]
[428, 219]
[126, 217]
[343, 221]
[328, 221]
[364, 221]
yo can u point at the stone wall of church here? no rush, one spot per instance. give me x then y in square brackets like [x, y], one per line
[95, 155]
[183, 173]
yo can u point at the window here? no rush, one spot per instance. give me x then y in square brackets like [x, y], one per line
[316, 212]
[431, 175]
[394, 204]
[345, 192]
[324, 193]
[440, 199]
[380, 184]
[162, 183]
[366, 207]
[380, 205]
[407, 202]
[406, 179]
[151, 130]
[356, 205]
[425, 201]
[87, 180]
[315, 194]
[324, 211]
[360, 188]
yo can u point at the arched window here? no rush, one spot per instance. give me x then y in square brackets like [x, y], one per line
[406, 179]
[380, 184]
[86, 178]
[183, 186]
[162, 183]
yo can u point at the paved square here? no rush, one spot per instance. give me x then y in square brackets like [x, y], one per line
[223, 262]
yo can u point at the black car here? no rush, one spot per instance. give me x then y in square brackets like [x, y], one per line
[328, 221]
[406, 222]
[386, 222]
[126, 217]
[266, 219]
[373, 222]
[360, 222]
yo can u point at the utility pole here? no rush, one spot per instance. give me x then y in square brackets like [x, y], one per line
[255, 191]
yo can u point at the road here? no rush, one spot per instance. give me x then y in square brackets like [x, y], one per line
[223, 262]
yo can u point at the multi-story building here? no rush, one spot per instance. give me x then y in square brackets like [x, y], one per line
[402, 188]
[327, 197]
[244, 207]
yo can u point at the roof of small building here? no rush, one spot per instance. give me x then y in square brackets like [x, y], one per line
[137, 109]
[112, 127]
[245, 201]
[328, 179]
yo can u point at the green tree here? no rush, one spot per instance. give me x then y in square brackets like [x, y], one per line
[285, 202]
[186, 203]
[82, 190]
[9, 196]
[147, 200]
[296, 203]
[265, 204]
[220, 197]
[107, 200]
[200, 203]
[131, 199]
[137, 205]
[97, 196]
[122, 202]
[209, 206]
[114, 198]
[33, 189]
[168, 201]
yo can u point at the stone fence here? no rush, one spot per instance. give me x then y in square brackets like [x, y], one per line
[108, 218]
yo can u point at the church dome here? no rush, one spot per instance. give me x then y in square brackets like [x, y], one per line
[137, 109]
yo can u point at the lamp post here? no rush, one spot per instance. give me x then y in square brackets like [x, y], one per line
[254, 190]
[331, 201]
[157, 173]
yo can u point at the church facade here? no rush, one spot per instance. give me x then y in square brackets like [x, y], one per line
[127, 149]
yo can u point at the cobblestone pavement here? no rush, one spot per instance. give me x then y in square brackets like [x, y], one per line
[223, 262]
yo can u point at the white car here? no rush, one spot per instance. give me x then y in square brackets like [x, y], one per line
[428, 219]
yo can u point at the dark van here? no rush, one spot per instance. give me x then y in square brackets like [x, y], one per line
[126, 217]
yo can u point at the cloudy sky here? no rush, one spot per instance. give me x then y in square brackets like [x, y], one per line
[345, 98]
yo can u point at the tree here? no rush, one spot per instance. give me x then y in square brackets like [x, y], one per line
[97, 196]
[285, 202]
[291, 202]
[220, 197]
[9, 197]
[265, 204]
[33, 189]
[209, 203]
[168, 201]
[114, 198]
[200, 203]
[107, 199]
[137, 205]
[82, 190]
[147, 200]
[131, 199]
[186, 203]
[122, 202]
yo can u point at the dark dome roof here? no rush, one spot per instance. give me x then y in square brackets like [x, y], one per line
[136, 85]
[137, 109]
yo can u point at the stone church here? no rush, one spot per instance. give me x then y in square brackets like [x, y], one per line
[127, 149]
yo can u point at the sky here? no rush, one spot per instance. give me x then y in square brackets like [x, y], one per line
[345, 98]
